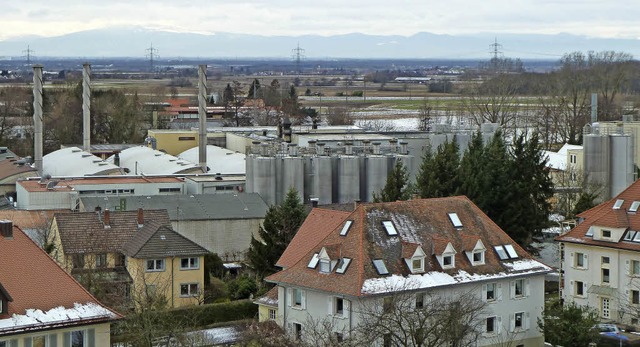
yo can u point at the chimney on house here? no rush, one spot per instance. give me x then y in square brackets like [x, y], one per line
[140, 218]
[6, 229]
[107, 219]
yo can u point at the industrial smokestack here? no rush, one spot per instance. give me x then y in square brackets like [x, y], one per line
[86, 107]
[202, 113]
[37, 118]
[594, 107]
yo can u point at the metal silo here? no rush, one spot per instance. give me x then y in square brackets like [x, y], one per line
[290, 175]
[377, 171]
[348, 179]
[264, 178]
[322, 179]
[622, 173]
[597, 161]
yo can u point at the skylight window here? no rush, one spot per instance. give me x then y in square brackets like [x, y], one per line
[502, 254]
[589, 232]
[511, 251]
[636, 237]
[618, 204]
[390, 228]
[380, 267]
[343, 265]
[634, 206]
[455, 220]
[629, 235]
[314, 261]
[346, 227]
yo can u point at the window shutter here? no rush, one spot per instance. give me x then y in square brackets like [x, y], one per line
[53, 340]
[66, 339]
[13, 343]
[512, 323]
[346, 307]
[91, 337]
[304, 299]
[586, 261]
[626, 292]
[498, 324]
[526, 320]
[27, 342]
[627, 267]
[484, 292]
[571, 290]
[527, 287]
[330, 305]
[499, 290]
[512, 290]
[289, 294]
[584, 288]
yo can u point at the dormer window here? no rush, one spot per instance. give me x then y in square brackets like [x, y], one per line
[4, 300]
[325, 266]
[324, 259]
[476, 254]
[447, 258]
[447, 261]
[478, 257]
[417, 264]
[414, 257]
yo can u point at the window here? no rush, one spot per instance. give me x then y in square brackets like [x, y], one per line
[297, 331]
[186, 138]
[519, 288]
[490, 293]
[618, 204]
[314, 261]
[272, 314]
[381, 268]
[605, 275]
[635, 297]
[343, 264]
[189, 289]
[502, 254]
[606, 234]
[417, 264]
[339, 307]
[390, 228]
[297, 297]
[78, 261]
[189, 263]
[478, 257]
[491, 327]
[346, 227]
[455, 220]
[39, 341]
[1, 306]
[447, 260]
[605, 260]
[77, 338]
[519, 320]
[155, 265]
[580, 260]
[325, 266]
[511, 251]
[572, 158]
[579, 285]
[101, 260]
[420, 300]
[635, 268]
[120, 260]
[150, 290]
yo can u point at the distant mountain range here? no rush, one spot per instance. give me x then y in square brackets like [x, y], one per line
[133, 42]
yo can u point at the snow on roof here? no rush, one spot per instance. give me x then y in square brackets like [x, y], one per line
[57, 315]
[218, 336]
[144, 160]
[219, 160]
[555, 160]
[437, 279]
[73, 161]
[565, 149]
[232, 265]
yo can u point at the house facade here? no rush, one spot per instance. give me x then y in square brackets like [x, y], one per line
[601, 258]
[390, 268]
[31, 313]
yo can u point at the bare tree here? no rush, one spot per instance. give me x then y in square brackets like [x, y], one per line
[339, 116]
[495, 101]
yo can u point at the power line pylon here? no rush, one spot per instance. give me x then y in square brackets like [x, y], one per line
[496, 54]
[297, 55]
[152, 54]
[27, 54]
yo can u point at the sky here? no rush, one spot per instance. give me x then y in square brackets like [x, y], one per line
[592, 18]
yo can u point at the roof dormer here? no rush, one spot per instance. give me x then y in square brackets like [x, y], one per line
[328, 258]
[476, 253]
[414, 256]
[446, 257]
[5, 298]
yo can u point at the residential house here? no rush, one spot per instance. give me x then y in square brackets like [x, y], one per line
[40, 304]
[601, 258]
[424, 250]
[126, 253]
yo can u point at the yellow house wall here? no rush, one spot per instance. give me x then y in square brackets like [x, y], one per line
[263, 312]
[102, 335]
[58, 253]
[167, 282]
[170, 142]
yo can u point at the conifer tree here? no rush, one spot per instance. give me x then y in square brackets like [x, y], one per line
[280, 225]
[396, 187]
[438, 175]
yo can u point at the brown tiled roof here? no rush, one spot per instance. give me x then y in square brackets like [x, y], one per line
[318, 224]
[409, 249]
[156, 239]
[68, 184]
[270, 298]
[604, 215]
[417, 222]
[34, 280]
[469, 242]
[9, 168]
[85, 232]
[439, 244]
[34, 219]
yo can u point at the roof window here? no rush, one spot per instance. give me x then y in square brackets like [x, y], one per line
[502, 254]
[455, 220]
[343, 265]
[634, 206]
[314, 261]
[511, 251]
[618, 204]
[628, 236]
[390, 228]
[346, 227]
[381, 268]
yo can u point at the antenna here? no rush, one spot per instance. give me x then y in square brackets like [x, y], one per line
[297, 56]
[27, 54]
[152, 53]
[496, 52]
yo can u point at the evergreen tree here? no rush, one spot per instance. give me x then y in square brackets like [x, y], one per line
[425, 180]
[396, 187]
[255, 91]
[438, 175]
[280, 225]
[585, 202]
[471, 169]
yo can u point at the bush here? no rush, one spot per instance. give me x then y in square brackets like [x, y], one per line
[359, 93]
[242, 287]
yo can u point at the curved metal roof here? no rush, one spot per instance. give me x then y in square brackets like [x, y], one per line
[219, 160]
[73, 161]
[144, 160]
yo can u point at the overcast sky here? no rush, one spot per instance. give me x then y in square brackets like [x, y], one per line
[594, 18]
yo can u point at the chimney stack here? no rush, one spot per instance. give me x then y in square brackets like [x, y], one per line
[86, 107]
[6, 228]
[202, 113]
[37, 118]
[140, 218]
[107, 218]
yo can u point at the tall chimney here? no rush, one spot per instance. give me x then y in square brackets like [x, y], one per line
[594, 107]
[37, 118]
[107, 218]
[86, 107]
[202, 113]
[140, 218]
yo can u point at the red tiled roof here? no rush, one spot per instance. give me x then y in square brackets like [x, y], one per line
[417, 222]
[409, 249]
[469, 242]
[68, 184]
[604, 215]
[317, 226]
[9, 168]
[34, 280]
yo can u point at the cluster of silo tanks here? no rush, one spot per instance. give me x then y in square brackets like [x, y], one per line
[348, 172]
